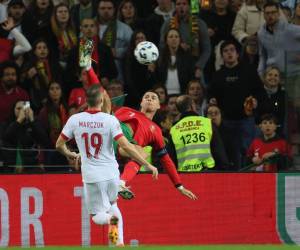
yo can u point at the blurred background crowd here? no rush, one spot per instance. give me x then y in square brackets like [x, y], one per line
[237, 60]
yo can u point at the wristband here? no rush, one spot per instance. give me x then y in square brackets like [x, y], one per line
[180, 188]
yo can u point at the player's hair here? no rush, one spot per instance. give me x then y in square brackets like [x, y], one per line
[93, 95]
[151, 91]
[184, 103]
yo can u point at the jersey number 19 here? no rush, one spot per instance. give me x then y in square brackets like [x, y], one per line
[95, 141]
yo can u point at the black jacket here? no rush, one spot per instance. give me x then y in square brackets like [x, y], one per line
[26, 136]
[271, 103]
[231, 86]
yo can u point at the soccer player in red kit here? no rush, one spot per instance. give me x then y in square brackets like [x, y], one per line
[146, 132]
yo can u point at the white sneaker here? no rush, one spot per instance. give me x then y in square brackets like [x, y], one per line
[85, 53]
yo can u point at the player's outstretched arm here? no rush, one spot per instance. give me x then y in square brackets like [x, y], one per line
[170, 169]
[132, 152]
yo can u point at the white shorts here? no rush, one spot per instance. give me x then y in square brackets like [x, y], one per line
[99, 196]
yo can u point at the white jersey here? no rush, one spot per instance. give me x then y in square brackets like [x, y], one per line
[94, 133]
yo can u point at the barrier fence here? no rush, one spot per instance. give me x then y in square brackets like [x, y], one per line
[233, 208]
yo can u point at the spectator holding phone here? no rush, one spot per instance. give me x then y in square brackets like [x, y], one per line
[24, 134]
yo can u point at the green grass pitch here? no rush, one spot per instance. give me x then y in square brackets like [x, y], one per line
[211, 247]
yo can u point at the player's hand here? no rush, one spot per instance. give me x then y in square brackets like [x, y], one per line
[187, 193]
[154, 171]
[73, 156]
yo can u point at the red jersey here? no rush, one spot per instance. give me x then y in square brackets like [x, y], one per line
[145, 131]
[259, 147]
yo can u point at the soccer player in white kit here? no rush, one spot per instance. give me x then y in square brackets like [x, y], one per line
[94, 132]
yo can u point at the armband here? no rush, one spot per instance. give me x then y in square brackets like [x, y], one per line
[162, 152]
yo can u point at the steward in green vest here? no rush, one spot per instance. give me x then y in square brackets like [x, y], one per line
[191, 137]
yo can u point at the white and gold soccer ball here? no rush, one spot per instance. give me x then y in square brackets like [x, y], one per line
[146, 52]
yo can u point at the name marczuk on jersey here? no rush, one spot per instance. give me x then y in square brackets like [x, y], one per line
[91, 124]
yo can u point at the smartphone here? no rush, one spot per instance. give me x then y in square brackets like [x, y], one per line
[26, 105]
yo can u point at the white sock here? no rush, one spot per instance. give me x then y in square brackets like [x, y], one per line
[122, 183]
[116, 212]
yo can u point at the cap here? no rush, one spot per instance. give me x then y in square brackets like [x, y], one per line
[16, 2]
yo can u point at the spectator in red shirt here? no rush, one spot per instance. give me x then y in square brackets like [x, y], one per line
[10, 92]
[270, 152]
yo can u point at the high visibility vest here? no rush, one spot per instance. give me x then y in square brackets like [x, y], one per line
[148, 150]
[191, 137]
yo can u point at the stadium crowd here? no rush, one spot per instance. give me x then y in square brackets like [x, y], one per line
[227, 55]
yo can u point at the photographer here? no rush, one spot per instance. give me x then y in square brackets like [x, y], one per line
[21, 137]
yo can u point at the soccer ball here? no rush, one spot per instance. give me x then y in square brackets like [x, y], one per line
[146, 53]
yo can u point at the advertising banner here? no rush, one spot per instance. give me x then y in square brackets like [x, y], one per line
[232, 208]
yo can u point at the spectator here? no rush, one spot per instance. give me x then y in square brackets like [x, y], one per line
[235, 5]
[37, 20]
[53, 117]
[10, 92]
[102, 58]
[113, 33]
[171, 107]
[64, 35]
[288, 13]
[144, 8]
[115, 91]
[138, 77]
[162, 12]
[272, 39]
[16, 10]
[162, 93]
[12, 42]
[196, 90]
[250, 52]
[270, 152]
[174, 68]
[23, 131]
[233, 89]
[127, 13]
[193, 33]
[197, 144]
[271, 99]
[219, 21]
[214, 113]
[39, 71]
[248, 20]
[85, 9]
